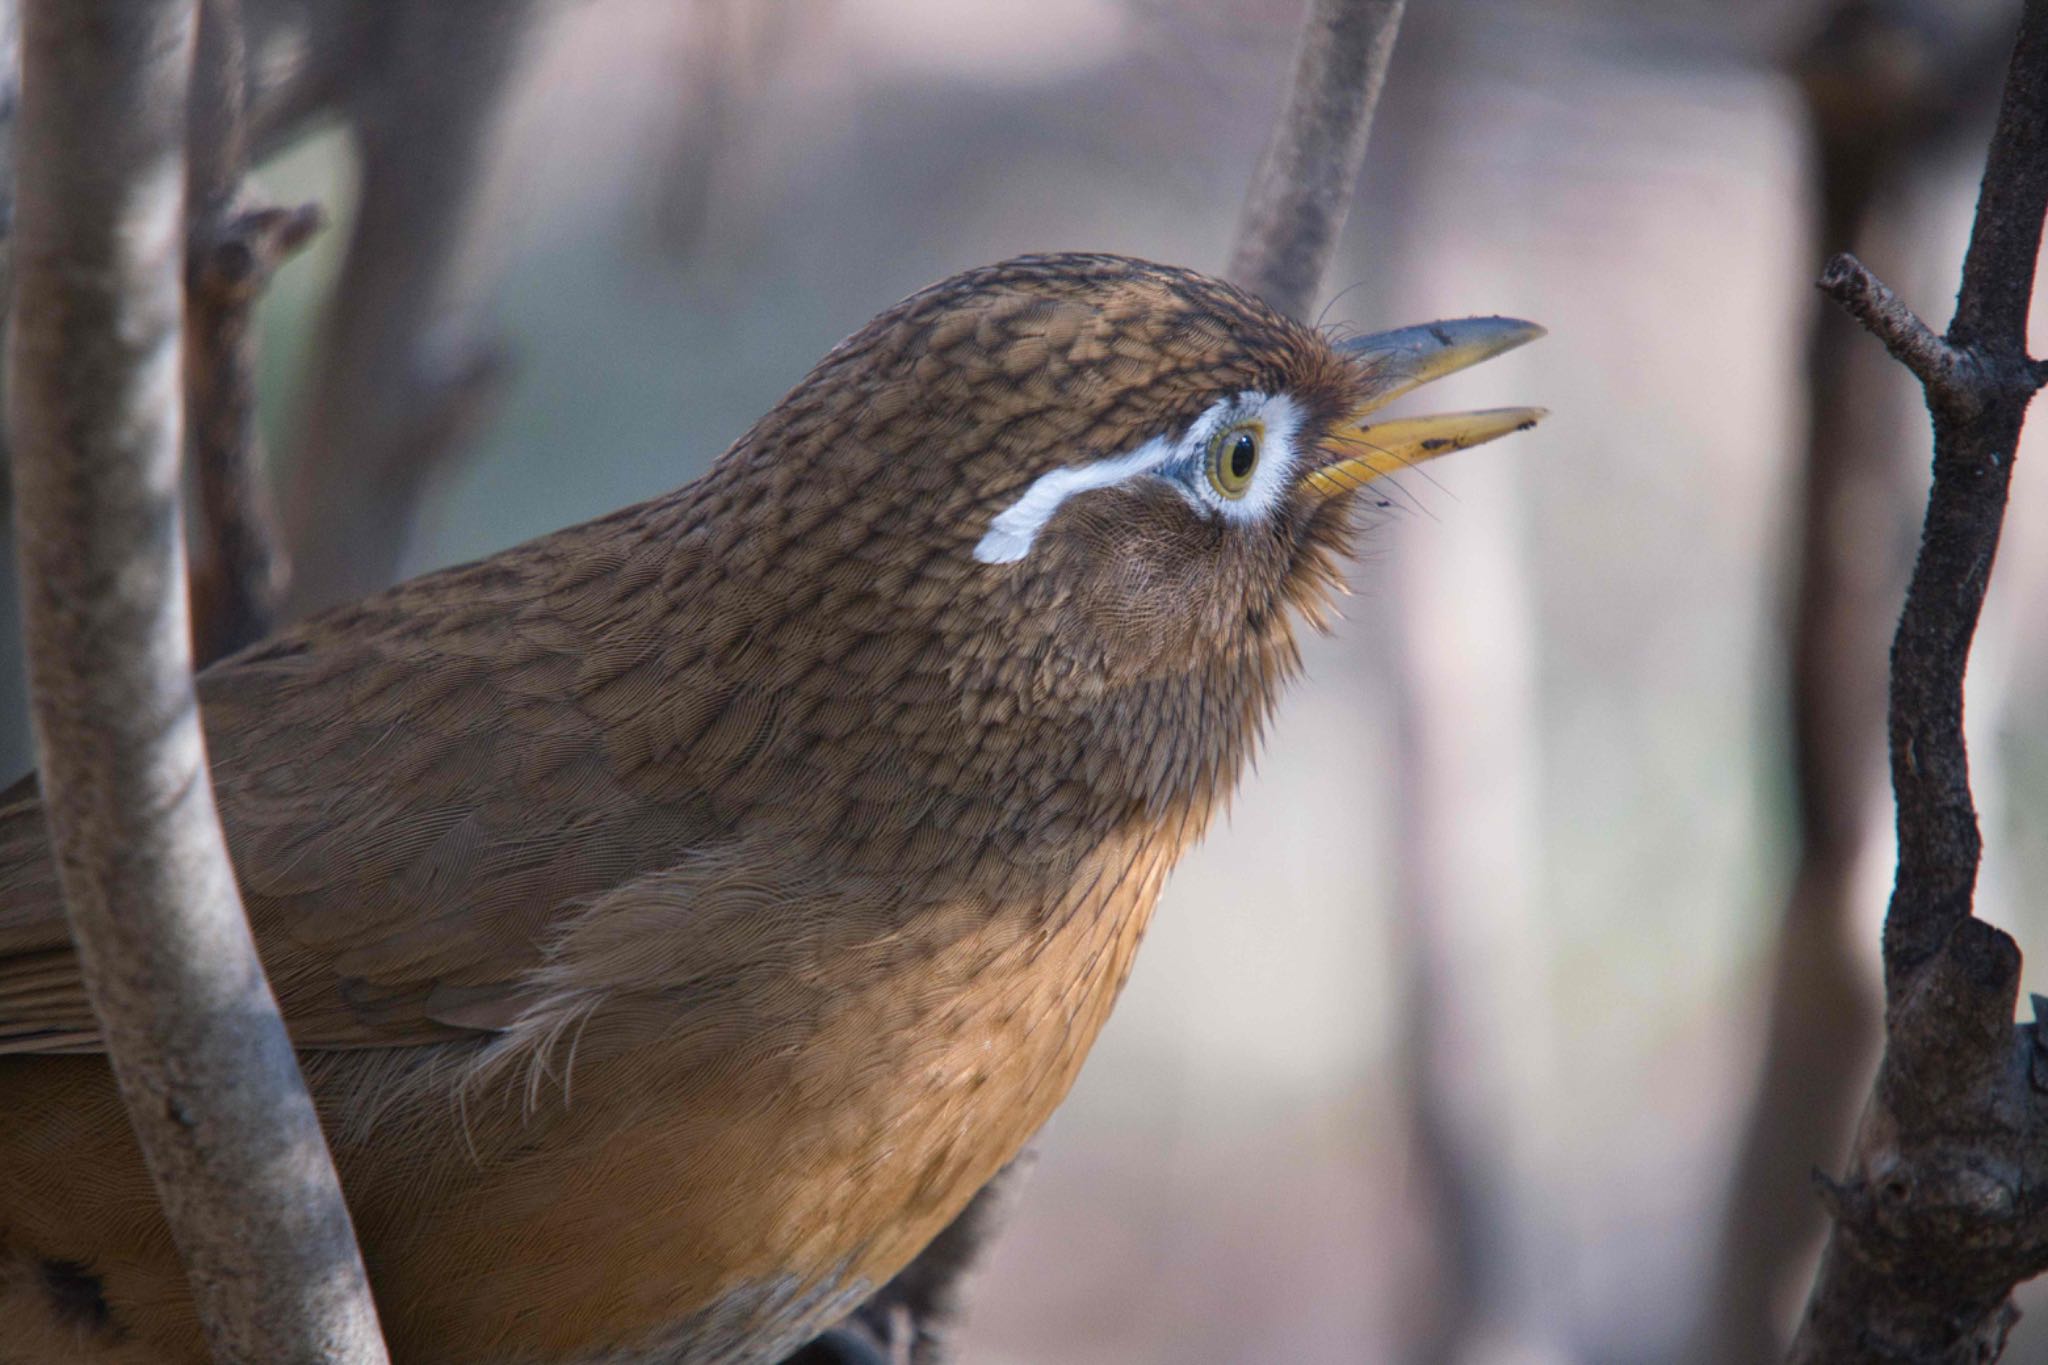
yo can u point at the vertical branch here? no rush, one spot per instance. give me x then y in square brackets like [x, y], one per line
[1456, 706]
[1459, 660]
[722, 60]
[239, 577]
[1303, 188]
[1943, 1210]
[1881, 80]
[401, 380]
[1978, 385]
[201, 1056]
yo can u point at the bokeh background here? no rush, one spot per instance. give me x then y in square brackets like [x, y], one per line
[1447, 1046]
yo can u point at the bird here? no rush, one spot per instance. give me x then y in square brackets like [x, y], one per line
[680, 916]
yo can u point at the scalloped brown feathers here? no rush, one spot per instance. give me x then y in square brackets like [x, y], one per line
[683, 914]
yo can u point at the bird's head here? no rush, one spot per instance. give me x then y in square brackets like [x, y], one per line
[1091, 481]
[1144, 463]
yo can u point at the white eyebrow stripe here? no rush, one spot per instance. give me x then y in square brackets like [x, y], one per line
[1011, 534]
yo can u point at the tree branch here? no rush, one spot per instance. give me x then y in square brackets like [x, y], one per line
[403, 375]
[1978, 399]
[1945, 1207]
[1308, 176]
[201, 1056]
[1885, 315]
[238, 578]
[2005, 238]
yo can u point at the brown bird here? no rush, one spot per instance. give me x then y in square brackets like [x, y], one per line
[680, 916]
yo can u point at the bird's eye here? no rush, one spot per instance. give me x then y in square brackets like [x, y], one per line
[1234, 457]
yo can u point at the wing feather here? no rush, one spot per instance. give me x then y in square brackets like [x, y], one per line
[417, 788]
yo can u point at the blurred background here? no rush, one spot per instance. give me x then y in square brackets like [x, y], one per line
[1534, 969]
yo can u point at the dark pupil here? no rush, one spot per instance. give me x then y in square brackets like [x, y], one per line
[1244, 453]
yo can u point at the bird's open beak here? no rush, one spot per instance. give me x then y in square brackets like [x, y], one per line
[1407, 358]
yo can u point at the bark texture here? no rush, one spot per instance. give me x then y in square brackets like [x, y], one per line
[93, 377]
[1885, 85]
[1945, 1205]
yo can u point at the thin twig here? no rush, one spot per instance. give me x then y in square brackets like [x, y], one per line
[1303, 188]
[1943, 1210]
[193, 1033]
[2005, 237]
[1885, 315]
[238, 577]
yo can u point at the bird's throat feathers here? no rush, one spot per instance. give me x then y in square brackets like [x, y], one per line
[939, 720]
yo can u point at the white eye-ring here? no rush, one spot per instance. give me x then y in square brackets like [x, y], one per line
[1240, 454]
[1235, 460]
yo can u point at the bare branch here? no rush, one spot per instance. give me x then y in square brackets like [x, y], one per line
[203, 1062]
[1978, 404]
[403, 376]
[1871, 302]
[218, 141]
[2005, 238]
[1945, 1207]
[239, 576]
[1302, 190]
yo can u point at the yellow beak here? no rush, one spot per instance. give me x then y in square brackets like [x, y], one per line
[1400, 361]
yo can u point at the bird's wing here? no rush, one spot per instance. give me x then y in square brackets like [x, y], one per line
[417, 788]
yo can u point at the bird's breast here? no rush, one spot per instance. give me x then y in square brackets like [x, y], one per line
[775, 1165]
